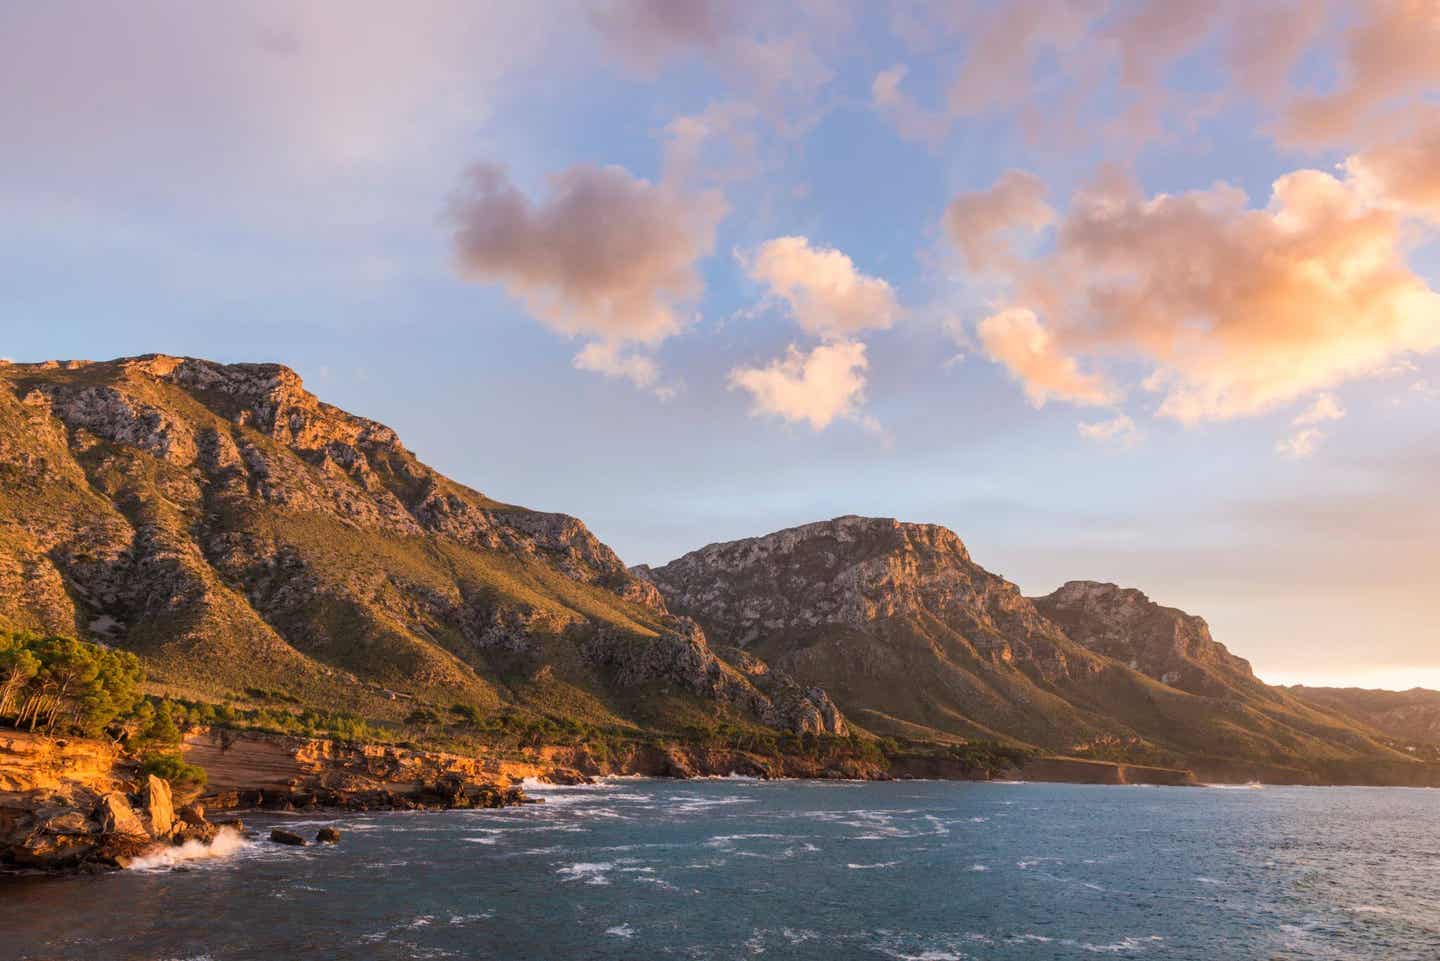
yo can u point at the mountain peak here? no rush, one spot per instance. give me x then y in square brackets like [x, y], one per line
[1165, 643]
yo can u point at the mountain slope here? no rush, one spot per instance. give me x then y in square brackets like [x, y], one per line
[242, 535]
[911, 637]
[1411, 717]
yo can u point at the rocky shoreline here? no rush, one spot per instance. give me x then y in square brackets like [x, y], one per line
[71, 804]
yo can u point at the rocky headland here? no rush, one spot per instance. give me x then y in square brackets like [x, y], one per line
[76, 804]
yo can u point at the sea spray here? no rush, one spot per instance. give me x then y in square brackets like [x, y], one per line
[226, 844]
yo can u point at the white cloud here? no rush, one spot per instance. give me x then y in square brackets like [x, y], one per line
[1300, 444]
[816, 388]
[1326, 407]
[1119, 430]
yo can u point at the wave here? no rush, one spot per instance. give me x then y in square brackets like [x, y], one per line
[867, 867]
[621, 931]
[227, 843]
[591, 872]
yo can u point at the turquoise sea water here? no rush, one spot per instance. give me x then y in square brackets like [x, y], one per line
[634, 869]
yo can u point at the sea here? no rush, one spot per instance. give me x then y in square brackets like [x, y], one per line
[738, 869]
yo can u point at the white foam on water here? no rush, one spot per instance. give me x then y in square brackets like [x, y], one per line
[591, 872]
[1123, 946]
[227, 843]
[621, 931]
[867, 867]
[458, 920]
[1204, 880]
[483, 839]
[978, 867]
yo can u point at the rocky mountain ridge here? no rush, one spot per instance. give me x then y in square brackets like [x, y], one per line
[911, 637]
[257, 546]
[239, 534]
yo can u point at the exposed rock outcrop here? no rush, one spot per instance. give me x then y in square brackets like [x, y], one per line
[1167, 644]
[72, 804]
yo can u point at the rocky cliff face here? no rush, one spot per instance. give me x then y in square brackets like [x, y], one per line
[241, 534]
[1164, 643]
[852, 573]
[73, 803]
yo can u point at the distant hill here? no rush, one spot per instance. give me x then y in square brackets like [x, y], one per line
[912, 637]
[1411, 717]
[243, 537]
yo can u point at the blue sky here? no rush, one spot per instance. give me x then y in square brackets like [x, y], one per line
[277, 182]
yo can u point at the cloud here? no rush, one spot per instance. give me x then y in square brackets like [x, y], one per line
[1388, 64]
[720, 143]
[646, 32]
[1301, 444]
[609, 358]
[818, 387]
[1403, 174]
[1326, 407]
[605, 255]
[1304, 441]
[1119, 430]
[979, 223]
[1016, 339]
[1263, 55]
[1235, 310]
[912, 121]
[769, 50]
[823, 290]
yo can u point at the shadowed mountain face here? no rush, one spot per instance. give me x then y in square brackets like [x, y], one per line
[911, 636]
[238, 532]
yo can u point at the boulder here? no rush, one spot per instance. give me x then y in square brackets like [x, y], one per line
[565, 775]
[192, 814]
[159, 806]
[281, 836]
[327, 836]
[116, 817]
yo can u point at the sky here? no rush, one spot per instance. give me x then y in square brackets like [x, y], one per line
[1141, 292]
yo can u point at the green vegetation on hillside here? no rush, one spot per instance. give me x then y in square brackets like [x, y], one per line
[51, 683]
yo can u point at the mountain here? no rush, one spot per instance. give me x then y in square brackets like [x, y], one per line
[1411, 717]
[912, 638]
[258, 547]
[250, 541]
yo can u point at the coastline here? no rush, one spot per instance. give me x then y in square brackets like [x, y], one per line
[71, 804]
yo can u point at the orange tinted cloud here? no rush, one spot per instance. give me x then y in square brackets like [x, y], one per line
[814, 388]
[1016, 339]
[980, 222]
[1404, 174]
[1390, 55]
[1235, 310]
[822, 288]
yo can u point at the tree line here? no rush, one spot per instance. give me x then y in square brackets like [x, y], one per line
[50, 683]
